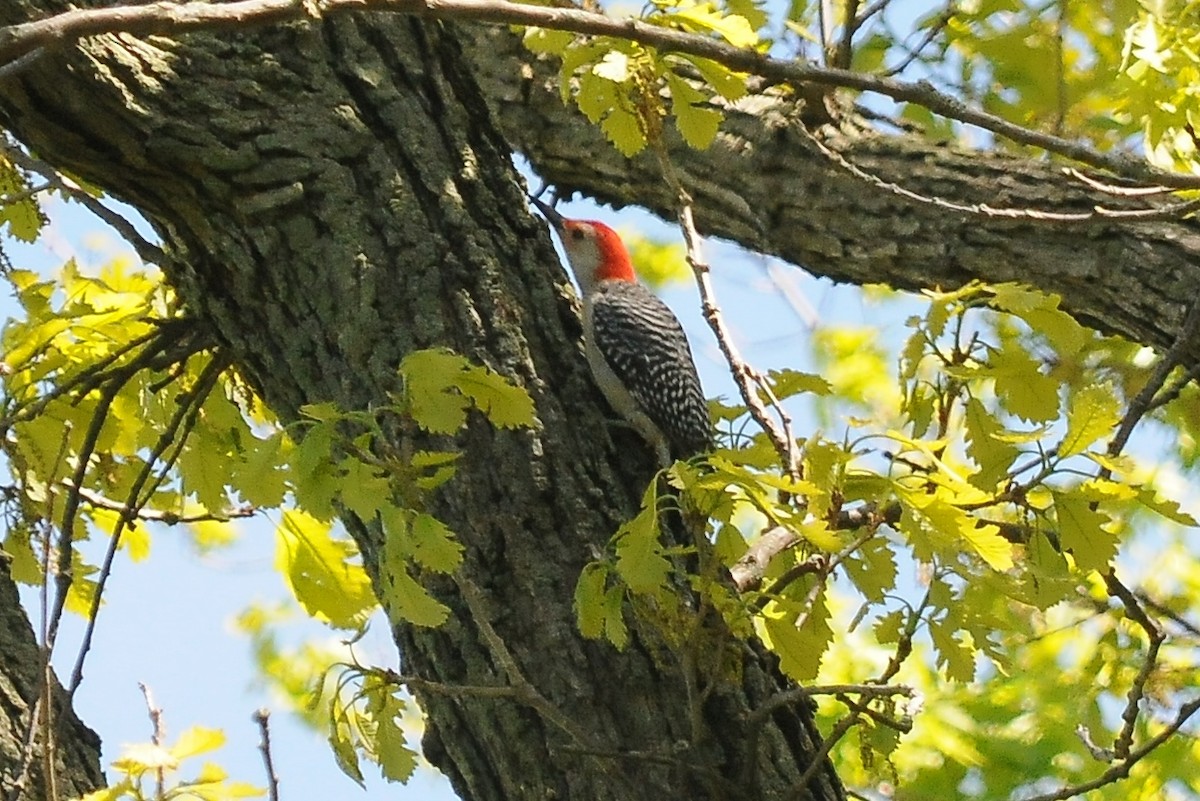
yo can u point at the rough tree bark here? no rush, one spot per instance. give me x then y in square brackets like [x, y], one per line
[77, 758]
[336, 194]
[333, 196]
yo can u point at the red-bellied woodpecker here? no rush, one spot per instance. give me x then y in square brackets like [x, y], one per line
[635, 346]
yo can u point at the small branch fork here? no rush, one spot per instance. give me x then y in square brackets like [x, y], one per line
[17, 41]
[1125, 755]
[876, 689]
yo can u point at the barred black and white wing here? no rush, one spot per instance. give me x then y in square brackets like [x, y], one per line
[641, 359]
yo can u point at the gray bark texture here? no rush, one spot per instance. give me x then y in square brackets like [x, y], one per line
[333, 195]
[76, 759]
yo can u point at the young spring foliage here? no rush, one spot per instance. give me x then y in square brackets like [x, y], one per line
[984, 466]
[118, 414]
[148, 771]
[619, 84]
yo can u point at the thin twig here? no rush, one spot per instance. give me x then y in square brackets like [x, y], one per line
[158, 734]
[850, 24]
[1121, 769]
[188, 407]
[1176, 618]
[261, 717]
[108, 392]
[1144, 400]
[146, 250]
[800, 787]
[749, 380]
[934, 31]
[1137, 690]
[166, 518]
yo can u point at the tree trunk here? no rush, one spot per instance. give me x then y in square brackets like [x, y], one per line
[332, 196]
[77, 748]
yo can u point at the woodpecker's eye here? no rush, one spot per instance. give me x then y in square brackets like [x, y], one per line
[578, 234]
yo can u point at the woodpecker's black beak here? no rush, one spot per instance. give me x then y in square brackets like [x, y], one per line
[549, 213]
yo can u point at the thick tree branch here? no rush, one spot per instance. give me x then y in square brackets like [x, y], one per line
[174, 18]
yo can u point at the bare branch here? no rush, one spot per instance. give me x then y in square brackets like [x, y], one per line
[262, 718]
[157, 735]
[188, 407]
[166, 518]
[1121, 769]
[1144, 401]
[146, 250]
[750, 382]
[850, 25]
[1137, 690]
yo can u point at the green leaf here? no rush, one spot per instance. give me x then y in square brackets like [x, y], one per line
[322, 572]
[205, 469]
[1092, 411]
[1165, 507]
[615, 630]
[624, 130]
[1021, 386]
[993, 456]
[363, 488]
[441, 385]
[402, 596]
[422, 538]
[396, 760]
[788, 383]
[703, 17]
[407, 600]
[547, 40]
[197, 740]
[505, 404]
[640, 561]
[589, 600]
[697, 123]
[260, 476]
[723, 80]
[1081, 531]
[596, 96]
[314, 478]
[889, 627]
[934, 526]
[344, 754]
[954, 654]
[428, 377]
[24, 217]
[799, 645]
[872, 568]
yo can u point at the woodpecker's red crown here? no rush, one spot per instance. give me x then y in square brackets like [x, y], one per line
[592, 243]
